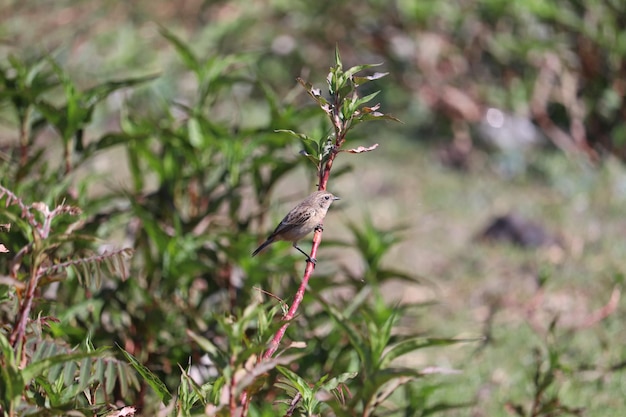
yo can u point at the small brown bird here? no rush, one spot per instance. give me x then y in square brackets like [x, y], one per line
[301, 220]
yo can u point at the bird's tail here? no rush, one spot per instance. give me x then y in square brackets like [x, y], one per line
[265, 244]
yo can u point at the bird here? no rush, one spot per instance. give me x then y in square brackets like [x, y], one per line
[300, 221]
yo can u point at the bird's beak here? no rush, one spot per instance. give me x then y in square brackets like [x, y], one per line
[336, 198]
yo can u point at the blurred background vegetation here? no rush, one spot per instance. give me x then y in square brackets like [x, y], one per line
[493, 213]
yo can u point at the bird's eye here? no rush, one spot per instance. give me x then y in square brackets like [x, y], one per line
[327, 197]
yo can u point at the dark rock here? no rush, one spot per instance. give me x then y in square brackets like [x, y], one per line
[515, 229]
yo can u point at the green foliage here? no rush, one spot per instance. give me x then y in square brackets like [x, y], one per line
[152, 380]
[59, 379]
[373, 244]
[544, 375]
[40, 372]
[198, 172]
[306, 397]
[199, 187]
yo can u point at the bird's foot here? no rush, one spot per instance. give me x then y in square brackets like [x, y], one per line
[308, 257]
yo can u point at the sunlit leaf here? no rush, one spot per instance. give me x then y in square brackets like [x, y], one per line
[353, 70]
[362, 80]
[362, 149]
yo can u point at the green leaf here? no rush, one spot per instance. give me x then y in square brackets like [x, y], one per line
[110, 377]
[362, 80]
[38, 368]
[367, 98]
[380, 337]
[309, 144]
[96, 94]
[11, 378]
[84, 377]
[358, 300]
[386, 274]
[338, 63]
[353, 70]
[356, 340]
[151, 379]
[184, 52]
[300, 384]
[186, 383]
[417, 343]
[122, 378]
[333, 383]
[196, 138]
[219, 358]
[53, 115]
[99, 371]
[55, 372]
[108, 141]
[377, 116]
[440, 407]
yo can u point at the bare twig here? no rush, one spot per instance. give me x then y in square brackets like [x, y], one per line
[605, 311]
[19, 332]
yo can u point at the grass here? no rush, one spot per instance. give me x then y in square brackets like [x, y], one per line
[494, 290]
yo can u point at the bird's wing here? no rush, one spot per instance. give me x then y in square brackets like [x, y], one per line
[294, 219]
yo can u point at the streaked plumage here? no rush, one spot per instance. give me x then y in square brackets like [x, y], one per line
[301, 221]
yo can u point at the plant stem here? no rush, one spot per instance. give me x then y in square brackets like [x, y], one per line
[324, 174]
[18, 336]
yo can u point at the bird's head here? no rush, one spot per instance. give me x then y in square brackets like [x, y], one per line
[323, 199]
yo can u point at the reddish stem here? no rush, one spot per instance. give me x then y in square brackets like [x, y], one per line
[18, 335]
[308, 271]
[324, 174]
[232, 404]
